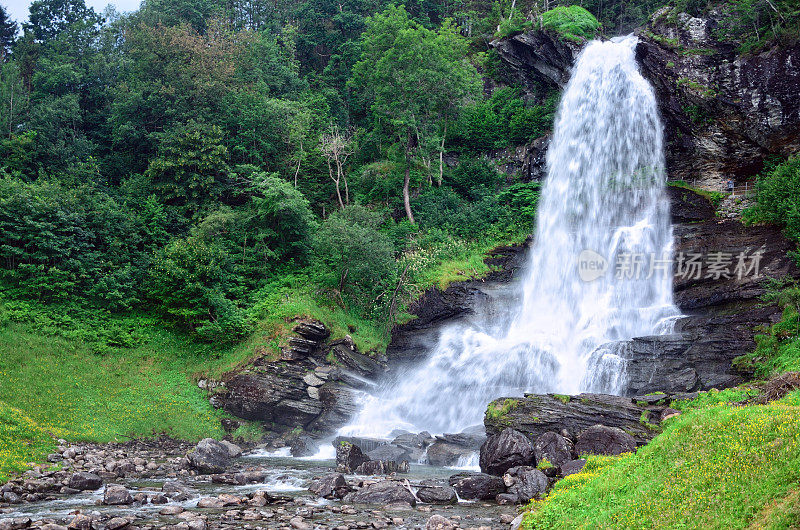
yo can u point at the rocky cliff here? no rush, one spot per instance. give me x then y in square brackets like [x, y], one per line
[723, 311]
[724, 112]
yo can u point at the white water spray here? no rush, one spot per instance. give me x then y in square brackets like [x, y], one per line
[602, 205]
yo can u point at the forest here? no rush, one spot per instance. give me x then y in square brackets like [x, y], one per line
[198, 160]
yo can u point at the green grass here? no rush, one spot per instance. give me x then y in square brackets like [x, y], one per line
[778, 350]
[715, 466]
[714, 197]
[496, 411]
[22, 441]
[81, 395]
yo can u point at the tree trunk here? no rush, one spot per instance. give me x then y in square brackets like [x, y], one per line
[441, 156]
[406, 195]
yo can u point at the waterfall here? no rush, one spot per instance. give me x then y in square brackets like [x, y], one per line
[598, 273]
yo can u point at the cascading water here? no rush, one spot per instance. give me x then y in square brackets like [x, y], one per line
[598, 272]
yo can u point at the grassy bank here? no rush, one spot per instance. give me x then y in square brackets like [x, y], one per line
[718, 465]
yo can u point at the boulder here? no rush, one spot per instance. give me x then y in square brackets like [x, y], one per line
[572, 467]
[210, 456]
[85, 481]
[554, 448]
[385, 492]
[330, 486]
[117, 495]
[389, 453]
[505, 450]
[234, 451]
[445, 454]
[437, 522]
[603, 440]
[477, 486]
[413, 444]
[434, 491]
[525, 483]
[349, 457]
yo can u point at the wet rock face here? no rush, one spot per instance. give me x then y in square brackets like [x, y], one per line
[721, 311]
[723, 111]
[553, 448]
[524, 483]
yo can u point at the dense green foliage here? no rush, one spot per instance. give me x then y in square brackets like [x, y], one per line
[191, 159]
[778, 198]
[573, 22]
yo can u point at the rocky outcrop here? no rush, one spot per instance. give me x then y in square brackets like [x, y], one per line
[724, 112]
[536, 58]
[722, 310]
[410, 341]
[537, 414]
[313, 386]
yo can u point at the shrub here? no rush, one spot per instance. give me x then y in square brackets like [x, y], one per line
[572, 23]
[189, 284]
[778, 199]
[502, 120]
[353, 259]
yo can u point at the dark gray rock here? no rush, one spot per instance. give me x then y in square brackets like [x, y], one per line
[745, 107]
[525, 483]
[385, 492]
[413, 444]
[349, 457]
[505, 450]
[433, 491]
[572, 467]
[603, 440]
[477, 486]
[554, 448]
[537, 58]
[467, 440]
[85, 481]
[303, 445]
[330, 486]
[210, 456]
